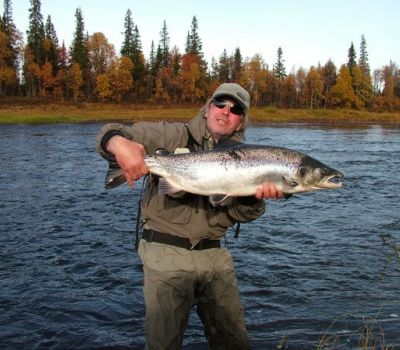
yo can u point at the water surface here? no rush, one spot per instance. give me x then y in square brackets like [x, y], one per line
[322, 267]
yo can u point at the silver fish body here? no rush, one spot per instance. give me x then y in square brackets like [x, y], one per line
[240, 170]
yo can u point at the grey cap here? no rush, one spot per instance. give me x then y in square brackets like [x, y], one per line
[236, 92]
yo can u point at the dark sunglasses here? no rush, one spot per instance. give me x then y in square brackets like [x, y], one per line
[234, 108]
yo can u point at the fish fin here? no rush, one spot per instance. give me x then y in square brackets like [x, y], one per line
[161, 152]
[290, 182]
[114, 176]
[227, 143]
[181, 150]
[216, 199]
[165, 187]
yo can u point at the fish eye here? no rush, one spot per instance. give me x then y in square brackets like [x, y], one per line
[324, 172]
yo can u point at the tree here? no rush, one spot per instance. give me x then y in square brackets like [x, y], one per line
[224, 67]
[301, 87]
[103, 87]
[10, 43]
[363, 61]
[342, 92]
[315, 85]
[51, 46]
[100, 53]
[76, 80]
[329, 77]
[78, 50]
[351, 62]
[194, 45]
[79, 54]
[132, 48]
[237, 65]
[48, 80]
[193, 64]
[362, 87]
[164, 45]
[254, 78]
[120, 77]
[8, 77]
[279, 69]
[36, 33]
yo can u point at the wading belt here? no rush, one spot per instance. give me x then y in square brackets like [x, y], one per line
[165, 238]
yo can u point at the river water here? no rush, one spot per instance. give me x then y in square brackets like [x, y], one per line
[321, 270]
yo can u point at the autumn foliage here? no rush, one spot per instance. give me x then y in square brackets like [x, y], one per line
[91, 70]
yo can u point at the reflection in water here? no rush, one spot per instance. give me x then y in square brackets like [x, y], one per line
[320, 268]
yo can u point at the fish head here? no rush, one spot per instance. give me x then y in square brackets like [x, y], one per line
[314, 175]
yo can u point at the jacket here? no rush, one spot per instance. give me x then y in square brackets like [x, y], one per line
[185, 215]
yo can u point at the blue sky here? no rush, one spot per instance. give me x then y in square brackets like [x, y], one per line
[309, 31]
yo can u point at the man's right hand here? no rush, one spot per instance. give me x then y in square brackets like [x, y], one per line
[129, 156]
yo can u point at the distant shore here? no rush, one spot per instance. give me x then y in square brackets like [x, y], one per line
[50, 113]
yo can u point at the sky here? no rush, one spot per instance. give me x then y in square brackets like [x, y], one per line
[310, 32]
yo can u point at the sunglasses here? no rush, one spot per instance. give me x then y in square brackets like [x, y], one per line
[234, 108]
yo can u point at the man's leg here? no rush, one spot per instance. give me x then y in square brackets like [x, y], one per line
[220, 309]
[168, 292]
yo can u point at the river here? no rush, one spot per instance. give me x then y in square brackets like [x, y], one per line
[321, 269]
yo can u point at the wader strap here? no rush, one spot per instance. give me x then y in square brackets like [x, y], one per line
[191, 141]
[237, 231]
[138, 226]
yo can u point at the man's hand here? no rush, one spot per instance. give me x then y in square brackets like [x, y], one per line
[129, 156]
[268, 190]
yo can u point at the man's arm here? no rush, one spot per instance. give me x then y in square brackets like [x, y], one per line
[129, 156]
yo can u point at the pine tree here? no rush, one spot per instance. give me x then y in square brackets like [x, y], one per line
[35, 33]
[164, 44]
[279, 67]
[329, 76]
[237, 65]
[363, 61]
[194, 56]
[132, 48]
[51, 46]
[127, 48]
[78, 50]
[10, 54]
[80, 58]
[152, 59]
[224, 71]
[193, 42]
[351, 63]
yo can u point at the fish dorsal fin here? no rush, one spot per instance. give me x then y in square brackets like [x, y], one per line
[165, 187]
[216, 199]
[227, 143]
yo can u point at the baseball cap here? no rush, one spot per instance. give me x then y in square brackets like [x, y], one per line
[234, 91]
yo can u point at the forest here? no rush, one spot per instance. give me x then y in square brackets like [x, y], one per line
[91, 70]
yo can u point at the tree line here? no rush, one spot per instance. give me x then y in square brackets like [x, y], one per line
[91, 70]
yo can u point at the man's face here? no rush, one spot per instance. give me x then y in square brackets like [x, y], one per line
[224, 117]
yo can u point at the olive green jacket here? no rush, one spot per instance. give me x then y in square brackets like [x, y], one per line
[184, 214]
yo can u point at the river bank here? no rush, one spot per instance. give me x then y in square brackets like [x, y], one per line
[50, 113]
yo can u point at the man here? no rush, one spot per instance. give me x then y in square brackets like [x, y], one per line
[183, 262]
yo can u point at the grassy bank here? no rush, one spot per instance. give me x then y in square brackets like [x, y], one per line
[95, 112]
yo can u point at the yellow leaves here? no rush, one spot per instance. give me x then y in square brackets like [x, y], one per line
[117, 81]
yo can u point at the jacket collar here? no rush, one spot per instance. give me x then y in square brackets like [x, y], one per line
[198, 129]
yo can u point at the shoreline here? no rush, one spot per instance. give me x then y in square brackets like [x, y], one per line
[51, 113]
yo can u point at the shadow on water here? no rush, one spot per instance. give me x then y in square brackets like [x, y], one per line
[320, 270]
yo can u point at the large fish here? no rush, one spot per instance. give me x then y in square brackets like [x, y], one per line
[236, 170]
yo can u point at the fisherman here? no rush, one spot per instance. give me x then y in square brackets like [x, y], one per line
[183, 261]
